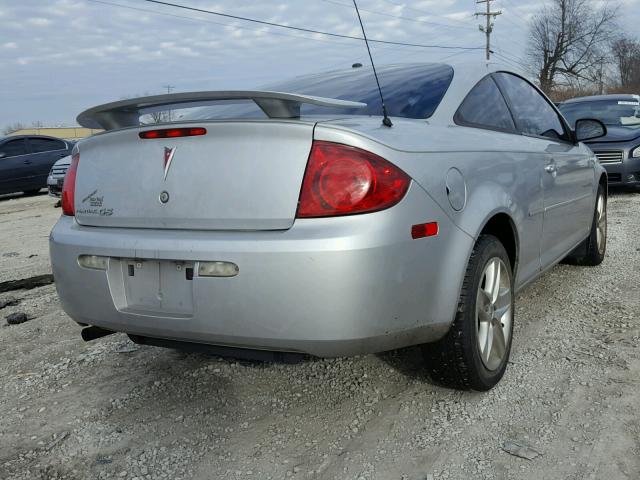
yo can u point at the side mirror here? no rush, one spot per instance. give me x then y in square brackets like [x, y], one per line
[589, 129]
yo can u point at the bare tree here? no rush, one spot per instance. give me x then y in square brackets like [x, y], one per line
[626, 52]
[156, 117]
[152, 117]
[569, 40]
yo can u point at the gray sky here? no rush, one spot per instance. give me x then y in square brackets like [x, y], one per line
[59, 57]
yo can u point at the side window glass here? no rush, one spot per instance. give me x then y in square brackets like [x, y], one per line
[533, 114]
[13, 148]
[484, 106]
[46, 144]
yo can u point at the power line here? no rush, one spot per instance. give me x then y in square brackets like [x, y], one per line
[452, 55]
[513, 63]
[488, 29]
[511, 56]
[424, 12]
[408, 54]
[510, 63]
[240, 27]
[517, 21]
[400, 17]
[507, 39]
[520, 25]
[513, 11]
[306, 30]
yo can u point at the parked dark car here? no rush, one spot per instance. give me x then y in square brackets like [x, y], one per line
[619, 150]
[25, 161]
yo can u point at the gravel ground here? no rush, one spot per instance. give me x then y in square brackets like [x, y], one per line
[111, 409]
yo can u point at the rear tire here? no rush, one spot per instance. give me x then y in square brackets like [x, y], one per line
[592, 250]
[474, 353]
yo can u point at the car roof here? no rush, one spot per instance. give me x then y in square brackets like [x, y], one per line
[13, 137]
[466, 74]
[596, 98]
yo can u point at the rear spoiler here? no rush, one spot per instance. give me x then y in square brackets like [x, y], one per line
[126, 113]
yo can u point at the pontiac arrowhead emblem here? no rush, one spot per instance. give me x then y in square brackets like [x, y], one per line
[168, 157]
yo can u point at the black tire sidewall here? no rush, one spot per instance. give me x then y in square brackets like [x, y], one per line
[594, 257]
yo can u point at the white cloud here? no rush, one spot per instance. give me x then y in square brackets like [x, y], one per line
[72, 54]
[39, 21]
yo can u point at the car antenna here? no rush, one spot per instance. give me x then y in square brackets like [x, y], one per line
[386, 121]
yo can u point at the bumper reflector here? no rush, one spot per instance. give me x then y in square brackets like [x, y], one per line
[424, 230]
[217, 269]
[94, 262]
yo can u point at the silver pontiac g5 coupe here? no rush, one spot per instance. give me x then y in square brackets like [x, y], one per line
[291, 221]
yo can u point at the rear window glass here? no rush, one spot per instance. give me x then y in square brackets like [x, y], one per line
[410, 91]
[216, 109]
[46, 144]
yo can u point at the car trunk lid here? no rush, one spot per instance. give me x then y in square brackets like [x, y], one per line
[240, 175]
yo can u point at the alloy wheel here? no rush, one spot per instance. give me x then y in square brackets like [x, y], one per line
[494, 313]
[601, 224]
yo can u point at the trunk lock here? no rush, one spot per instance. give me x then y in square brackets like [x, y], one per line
[164, 197]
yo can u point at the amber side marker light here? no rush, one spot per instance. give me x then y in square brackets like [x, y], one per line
[173, 133]
[424, 230]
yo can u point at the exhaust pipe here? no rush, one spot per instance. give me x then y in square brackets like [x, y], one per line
[92, 333]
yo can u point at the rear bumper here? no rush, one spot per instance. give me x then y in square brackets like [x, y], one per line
[325, 287]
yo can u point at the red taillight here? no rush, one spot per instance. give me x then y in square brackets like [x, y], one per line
[344, 180]
[173, 133]
[69, 187]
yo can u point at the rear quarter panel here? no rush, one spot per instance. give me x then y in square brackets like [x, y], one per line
[502, 174]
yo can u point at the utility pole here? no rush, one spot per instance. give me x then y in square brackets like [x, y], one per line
[601, 78]
[488, 29]
[169, 88]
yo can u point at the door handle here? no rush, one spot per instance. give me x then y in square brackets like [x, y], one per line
[550, 169]
[27, 162]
